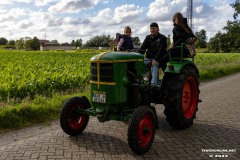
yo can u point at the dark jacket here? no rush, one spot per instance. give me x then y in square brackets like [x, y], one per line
[156, 46]
[180, 35]
[128, 43]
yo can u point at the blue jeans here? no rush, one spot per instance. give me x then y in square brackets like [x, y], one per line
[154, 70]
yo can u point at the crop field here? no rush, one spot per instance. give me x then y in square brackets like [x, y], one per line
[26, 74]
[213, 65]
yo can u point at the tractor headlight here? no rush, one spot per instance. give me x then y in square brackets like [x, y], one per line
[147, 76]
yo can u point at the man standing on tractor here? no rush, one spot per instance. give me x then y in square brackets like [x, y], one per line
[155, 47]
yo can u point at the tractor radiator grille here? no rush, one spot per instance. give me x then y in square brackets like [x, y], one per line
[106, 72]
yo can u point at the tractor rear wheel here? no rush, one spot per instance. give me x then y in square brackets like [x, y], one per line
[141, 129]
[181, 92]
[72, 122]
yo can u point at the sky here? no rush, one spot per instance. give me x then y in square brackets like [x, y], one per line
[67, 20]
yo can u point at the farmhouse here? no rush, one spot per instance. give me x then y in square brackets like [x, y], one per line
[46, 45]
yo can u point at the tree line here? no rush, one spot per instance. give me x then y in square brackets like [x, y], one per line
[28, 43]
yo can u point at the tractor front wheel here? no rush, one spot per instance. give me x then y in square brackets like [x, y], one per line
[72, 122]
[141, 129]
[181, 92]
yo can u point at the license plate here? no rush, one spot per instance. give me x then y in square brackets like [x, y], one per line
[99, 97]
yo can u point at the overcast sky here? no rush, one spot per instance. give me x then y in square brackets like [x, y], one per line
[65, 20]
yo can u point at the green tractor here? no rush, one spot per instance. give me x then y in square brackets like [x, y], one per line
[120, 90]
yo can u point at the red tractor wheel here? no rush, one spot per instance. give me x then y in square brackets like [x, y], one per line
[141, 129]
[71, 121]
[180, 99]
[189, 97]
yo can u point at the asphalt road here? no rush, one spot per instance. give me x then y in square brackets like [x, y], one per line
[214, 135]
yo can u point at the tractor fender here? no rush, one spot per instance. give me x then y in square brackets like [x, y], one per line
[176, 67]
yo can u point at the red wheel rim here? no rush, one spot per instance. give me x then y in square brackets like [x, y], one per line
[145, 130]
[76, 121]
[189, 97]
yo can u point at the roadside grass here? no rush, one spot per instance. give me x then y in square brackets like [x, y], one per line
[28, 112]
[215, 65]
[15, 115]
[217, 71]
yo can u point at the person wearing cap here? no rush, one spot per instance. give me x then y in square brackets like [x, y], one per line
[155, 46]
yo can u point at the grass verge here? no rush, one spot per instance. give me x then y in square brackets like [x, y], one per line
[217, 72]
[28, 112]
[215, 65]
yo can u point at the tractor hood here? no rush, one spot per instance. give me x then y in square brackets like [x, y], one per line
[117, 57]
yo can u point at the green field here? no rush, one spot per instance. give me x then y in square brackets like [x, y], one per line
[34, 85]
[26, 74]
[214, 65]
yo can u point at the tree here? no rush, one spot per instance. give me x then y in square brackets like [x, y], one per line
[80, 42]
[236, 6]
[202, 39]
[213, 44]
[54, 41]
[20, 44]
[99, 41]
[3, 41]
[77, 43]
[11, 42]
[66, 44]
[34, 44]
[27, 44]
[73, 43]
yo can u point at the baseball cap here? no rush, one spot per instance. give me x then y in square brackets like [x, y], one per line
[154, 24]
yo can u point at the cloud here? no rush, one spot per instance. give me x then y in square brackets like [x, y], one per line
[12, 14]
[71, 33]
[103, 16]
[72, 6]
[212, 18]
[86, 30]
[23, 1]
[126, 13]
[163, 10]
[4, 2]
[16, 1]
[24, 24]
[43, 2]
[2, 10]
[199, 9]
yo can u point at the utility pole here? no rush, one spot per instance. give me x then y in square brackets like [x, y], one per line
[45, 36]
[190, 13]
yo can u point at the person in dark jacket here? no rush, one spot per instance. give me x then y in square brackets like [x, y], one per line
[155, 46]
[125, 40]
[181, 32]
